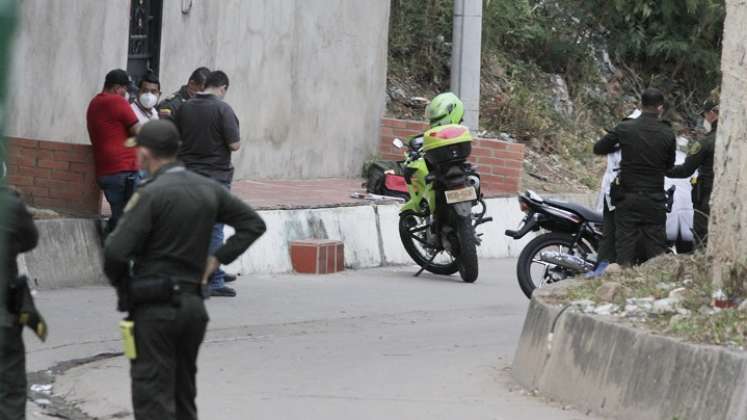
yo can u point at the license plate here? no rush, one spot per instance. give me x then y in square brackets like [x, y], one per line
[459, 196]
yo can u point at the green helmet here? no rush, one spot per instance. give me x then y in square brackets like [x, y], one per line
[445, 108]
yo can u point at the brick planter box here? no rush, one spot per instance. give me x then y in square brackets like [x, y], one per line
[317, 256]
[53, 175]
[500, 163]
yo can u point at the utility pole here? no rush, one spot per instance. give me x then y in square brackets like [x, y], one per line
[465, 58]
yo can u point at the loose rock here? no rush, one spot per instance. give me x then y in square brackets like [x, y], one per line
[665, 306]
[679, 294]
[607, 309]
[608, 292]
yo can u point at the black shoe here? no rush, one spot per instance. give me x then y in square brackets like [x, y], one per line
[224, 291]
[229, 278]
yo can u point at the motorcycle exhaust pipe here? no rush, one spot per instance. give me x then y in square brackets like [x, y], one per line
[570, 262]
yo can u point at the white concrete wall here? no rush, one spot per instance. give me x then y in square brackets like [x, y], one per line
[62, 53]
[307, 77]
[370, 234]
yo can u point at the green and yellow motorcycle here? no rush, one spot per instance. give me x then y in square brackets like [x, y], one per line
[437, 225]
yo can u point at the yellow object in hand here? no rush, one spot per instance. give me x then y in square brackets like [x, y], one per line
[128, 338]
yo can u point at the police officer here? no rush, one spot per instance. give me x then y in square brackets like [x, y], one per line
[165, 232]
[19, 235]
[196, 83]
[648, 148]
[700, 158]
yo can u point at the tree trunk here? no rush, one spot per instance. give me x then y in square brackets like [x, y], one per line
[728, 223]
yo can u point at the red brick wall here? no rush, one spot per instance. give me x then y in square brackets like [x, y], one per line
[52, 175]
[500, 163]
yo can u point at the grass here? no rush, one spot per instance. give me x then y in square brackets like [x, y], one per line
[701, 324]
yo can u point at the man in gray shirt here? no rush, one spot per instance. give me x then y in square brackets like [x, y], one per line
[210, 133]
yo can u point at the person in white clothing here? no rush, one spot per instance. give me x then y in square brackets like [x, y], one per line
[680, 219]
[606, 253]
[149, 92]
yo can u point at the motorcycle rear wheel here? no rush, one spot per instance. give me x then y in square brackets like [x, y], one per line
[409, 226]
[529, 255]
[468, 261]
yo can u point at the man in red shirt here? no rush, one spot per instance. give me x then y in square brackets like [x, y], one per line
[110, 122]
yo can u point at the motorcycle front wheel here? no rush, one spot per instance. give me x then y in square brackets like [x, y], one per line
[412, 232]
[534, 273]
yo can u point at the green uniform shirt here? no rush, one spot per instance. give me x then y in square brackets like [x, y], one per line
[170, 106]
[166, 227]
[648, 149]
[699, 157]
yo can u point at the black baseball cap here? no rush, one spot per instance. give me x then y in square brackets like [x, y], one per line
[159, 135]
[117, 77]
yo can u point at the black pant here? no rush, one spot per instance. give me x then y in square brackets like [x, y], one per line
[168, 339]
[607, 250]
[640, 222]
[12, 374]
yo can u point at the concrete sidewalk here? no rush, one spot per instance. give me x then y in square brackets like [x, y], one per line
[368, 344]
[281, 194]
[299, 194]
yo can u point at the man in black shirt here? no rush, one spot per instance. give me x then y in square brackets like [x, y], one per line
[210, 133]
[648, 147]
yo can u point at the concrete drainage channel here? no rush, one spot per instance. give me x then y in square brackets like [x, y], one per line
[614, 370]
[41, 394]
[69, 251]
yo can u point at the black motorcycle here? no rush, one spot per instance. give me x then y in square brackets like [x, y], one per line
[567, 249]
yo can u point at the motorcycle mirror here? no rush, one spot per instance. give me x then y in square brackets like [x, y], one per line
[398, 143]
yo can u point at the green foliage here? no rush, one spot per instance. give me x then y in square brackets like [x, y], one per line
[419, 35]
[671, 44]
[677, 38]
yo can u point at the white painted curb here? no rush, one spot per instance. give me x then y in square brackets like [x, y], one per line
[69, 252]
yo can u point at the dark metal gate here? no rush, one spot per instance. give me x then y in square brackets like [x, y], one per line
[144, 48]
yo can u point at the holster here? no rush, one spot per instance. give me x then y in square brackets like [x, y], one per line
[153, 290]
[123, 295]
[21, 304]
[616, 194]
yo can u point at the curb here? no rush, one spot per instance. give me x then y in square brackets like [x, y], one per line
[617, 371]
[69, 253]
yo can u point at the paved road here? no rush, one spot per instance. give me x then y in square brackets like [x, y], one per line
[374, 344]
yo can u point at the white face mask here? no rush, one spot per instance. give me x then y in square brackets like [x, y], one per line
[148, 100]
[707, 127]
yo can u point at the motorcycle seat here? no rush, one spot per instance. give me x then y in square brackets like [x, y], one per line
[585, 212]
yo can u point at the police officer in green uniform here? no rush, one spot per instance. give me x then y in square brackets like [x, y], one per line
[165, 232]
[19, 234]
[196, 83]
[648, 147]
[700, 158]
